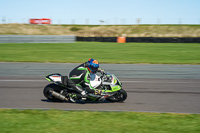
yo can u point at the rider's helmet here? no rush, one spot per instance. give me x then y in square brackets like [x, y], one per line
[92, 65]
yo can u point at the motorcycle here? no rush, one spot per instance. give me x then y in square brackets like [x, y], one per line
[109, 84]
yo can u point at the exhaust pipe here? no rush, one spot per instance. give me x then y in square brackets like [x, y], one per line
[57, 95]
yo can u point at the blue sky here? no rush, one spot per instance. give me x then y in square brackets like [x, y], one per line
[110, 11]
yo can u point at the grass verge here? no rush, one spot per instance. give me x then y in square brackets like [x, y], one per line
[128, 53]
[56, 121]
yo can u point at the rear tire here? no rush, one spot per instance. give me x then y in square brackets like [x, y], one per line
[47, 92]
[120, 96]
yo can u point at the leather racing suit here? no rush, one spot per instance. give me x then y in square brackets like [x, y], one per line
[79, 78]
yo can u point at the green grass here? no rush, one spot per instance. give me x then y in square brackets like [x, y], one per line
[55, 121]
[151, 53]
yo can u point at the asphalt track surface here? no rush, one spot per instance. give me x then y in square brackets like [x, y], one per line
[150, 88]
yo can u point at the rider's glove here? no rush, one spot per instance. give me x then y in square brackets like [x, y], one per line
[98, 92]
[102, 71]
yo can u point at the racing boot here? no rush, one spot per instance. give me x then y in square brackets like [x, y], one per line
[83, 93]
[74, 97]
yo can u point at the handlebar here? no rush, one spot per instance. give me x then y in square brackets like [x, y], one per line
[105, 77]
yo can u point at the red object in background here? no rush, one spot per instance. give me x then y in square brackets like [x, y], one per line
[40, 21]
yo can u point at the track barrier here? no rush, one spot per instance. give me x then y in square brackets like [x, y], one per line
[142, 39]
[37, 39]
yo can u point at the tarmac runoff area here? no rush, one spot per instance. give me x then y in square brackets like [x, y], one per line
[150, 87]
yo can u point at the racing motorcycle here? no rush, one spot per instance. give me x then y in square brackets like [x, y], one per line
[109, 84]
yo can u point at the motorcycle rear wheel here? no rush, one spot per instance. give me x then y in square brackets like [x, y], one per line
[120, 96]
[47, 92]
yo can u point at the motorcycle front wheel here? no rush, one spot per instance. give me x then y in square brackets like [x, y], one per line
[120, 96]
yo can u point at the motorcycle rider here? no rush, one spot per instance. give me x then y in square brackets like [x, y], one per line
[80, 76]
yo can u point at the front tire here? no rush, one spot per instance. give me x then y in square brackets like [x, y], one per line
[120, 96]
[47, 93]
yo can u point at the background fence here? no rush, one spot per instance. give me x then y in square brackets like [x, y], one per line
[37, 39]
[71, 39]
[107, 21]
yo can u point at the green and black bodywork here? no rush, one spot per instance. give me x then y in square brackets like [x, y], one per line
[80, 75]
[61, 90]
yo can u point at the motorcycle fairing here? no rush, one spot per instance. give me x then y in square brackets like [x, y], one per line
[56, 77]
[114, 88]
